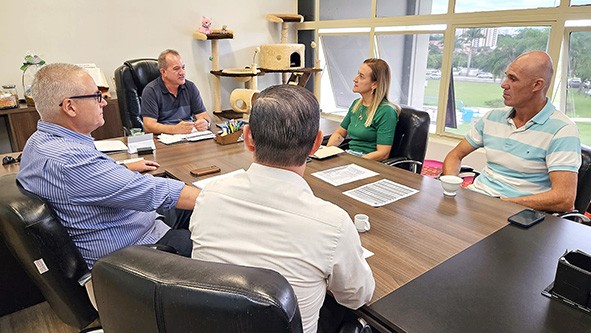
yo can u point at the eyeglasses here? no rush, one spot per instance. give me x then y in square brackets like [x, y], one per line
[98, 95]
[11, 160]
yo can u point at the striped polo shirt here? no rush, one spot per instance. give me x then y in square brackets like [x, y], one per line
[519, 160]
[103, 205]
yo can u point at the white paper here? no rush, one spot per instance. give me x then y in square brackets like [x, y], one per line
[96, 73]
[140, 141]
[325, 152]
[202, 183]
[344, 174]
[367, 253]
[193, 136]
[380, 193]
[110, 145]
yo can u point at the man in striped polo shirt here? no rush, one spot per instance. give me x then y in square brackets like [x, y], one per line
[533, 150]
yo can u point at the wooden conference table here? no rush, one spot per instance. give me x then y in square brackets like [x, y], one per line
[410, 238]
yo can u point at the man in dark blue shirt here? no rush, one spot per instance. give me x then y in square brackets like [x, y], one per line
[172, 104]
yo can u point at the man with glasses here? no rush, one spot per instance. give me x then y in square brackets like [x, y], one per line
[103, 205]
[172, 104]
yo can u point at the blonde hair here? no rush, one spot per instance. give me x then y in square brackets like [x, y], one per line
[380, 73]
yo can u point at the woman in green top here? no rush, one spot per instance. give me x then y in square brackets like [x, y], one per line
[371, 120]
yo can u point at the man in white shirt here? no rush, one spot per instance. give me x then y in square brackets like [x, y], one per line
[268, 216]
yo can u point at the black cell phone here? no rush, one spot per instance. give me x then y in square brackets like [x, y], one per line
[527, 217]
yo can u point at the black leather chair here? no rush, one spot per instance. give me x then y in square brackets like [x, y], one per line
[410, 139]
[130, 79]
[583, 199]
[584, 182]
[41, 244]
[139, 289]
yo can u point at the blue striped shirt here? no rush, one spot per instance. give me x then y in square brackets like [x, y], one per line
[103, 205]
[519, 160]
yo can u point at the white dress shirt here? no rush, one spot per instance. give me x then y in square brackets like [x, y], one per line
[269, 217]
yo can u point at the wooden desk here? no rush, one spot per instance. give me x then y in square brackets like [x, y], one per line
[409, 237]
[493, 286]
[22, 122]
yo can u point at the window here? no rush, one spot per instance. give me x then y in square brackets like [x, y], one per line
[387, 8]
[415, 62]
[480, 58]
[451, 63]
[466, 6]
[344, 9]
[578, 83]
[341, 58]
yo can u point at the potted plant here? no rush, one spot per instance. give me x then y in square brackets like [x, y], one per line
[31, 65]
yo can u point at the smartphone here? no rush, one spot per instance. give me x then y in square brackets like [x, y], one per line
[527, 217]
[205, 170]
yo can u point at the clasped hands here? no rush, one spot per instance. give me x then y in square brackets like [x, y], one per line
[186, 127]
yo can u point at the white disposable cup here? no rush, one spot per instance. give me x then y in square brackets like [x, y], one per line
[362, 222]
[451, 184]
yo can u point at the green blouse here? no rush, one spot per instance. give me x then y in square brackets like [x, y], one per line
[380, 132]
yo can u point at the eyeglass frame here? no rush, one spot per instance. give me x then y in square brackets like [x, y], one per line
[98, 95]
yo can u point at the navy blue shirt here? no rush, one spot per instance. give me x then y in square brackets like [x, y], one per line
[160, 104]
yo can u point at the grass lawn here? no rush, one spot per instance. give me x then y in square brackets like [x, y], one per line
[489, 95]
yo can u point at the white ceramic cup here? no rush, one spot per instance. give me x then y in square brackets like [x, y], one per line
[362, 222]
[450, 184]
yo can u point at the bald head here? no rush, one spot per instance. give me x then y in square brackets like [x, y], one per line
[536, 64]
[52, 84]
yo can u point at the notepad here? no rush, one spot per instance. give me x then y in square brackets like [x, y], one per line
[110, 145]
[325, 152]
[202, 183]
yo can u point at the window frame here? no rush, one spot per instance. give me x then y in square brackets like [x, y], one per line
[554, 17]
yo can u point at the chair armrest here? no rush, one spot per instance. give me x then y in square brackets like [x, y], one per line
[575, 216]
[162, 247]
[398, 161]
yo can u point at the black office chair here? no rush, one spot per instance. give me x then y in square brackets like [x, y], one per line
[139, 289]
[583, 189]
[41, 244]
[131, 78]
[410, 139]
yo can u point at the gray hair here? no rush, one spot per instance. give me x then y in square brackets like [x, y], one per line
[162, 57]
[52, 84]
[284, 123]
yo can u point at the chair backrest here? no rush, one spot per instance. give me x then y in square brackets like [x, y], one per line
[584, 182]
[139, 289]
[130, 79]
[411, 136]
[42, 245]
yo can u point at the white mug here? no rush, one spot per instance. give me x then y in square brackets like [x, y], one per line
[362, 222]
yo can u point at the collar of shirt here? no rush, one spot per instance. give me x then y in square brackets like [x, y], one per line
[61, 131]
[540, 117]
[165, 90]
[280, 175]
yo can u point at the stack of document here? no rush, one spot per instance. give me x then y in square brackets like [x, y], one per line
[194, 136]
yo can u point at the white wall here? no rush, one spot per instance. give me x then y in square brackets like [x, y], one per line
[109, 32]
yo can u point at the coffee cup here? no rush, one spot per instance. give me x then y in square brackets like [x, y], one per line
[362, 222]
[450, 184]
